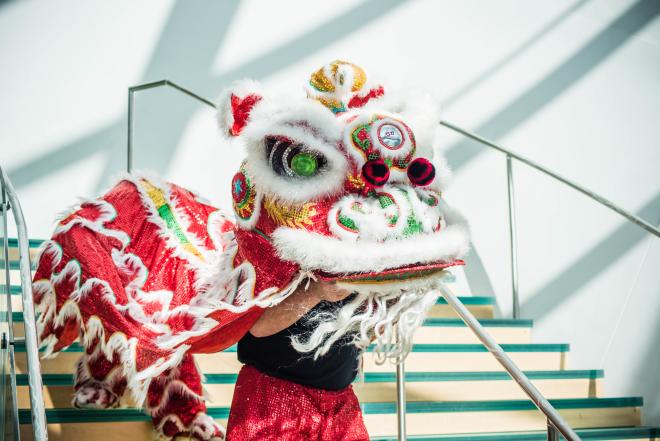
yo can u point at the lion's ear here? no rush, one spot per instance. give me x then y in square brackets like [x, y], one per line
[235, 106]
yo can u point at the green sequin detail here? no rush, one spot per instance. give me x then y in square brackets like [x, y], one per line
[363, 144]
[166, 214]
[414, 226]
[347, 222]
[385, 200]
[431, 201]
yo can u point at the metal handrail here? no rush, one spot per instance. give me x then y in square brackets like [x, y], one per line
[9, 336]
[555, 421]
[145, 86]
[38, 412]
[511, 206]
[595, 196]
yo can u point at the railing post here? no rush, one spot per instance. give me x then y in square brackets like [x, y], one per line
[8, 336]
[37, 408]
[553, 435]
[512, 239]
[129, 133]
[146, 86]
[401, 401]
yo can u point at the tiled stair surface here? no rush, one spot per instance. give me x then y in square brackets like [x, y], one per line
[456, 391]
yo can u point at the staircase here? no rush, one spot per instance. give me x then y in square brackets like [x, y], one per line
[456, 390]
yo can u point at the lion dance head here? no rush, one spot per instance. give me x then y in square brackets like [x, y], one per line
[344, 183]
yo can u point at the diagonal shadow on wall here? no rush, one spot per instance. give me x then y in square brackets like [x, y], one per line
[178, 42]
[598, 259]
[280, 57]
[185, 53]
[512, 55]
[559, 80]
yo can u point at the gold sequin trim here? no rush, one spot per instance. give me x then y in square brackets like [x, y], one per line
[293, 216]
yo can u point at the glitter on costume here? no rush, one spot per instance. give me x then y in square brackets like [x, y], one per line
[340, 184]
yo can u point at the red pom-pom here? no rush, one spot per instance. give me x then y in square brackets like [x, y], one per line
[376, 172]
[421, 172]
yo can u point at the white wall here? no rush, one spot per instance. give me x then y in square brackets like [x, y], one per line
[574, 85]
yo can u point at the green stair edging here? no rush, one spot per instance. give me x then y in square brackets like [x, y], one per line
[13, 290]
[603, 434]
[488, 323]
[378, 377]
[108, 415]
[32, 243]
[422, 347]
[500, 405]
[436, 322]
[15, 265]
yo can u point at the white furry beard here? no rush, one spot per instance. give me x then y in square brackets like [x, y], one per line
[388, 320]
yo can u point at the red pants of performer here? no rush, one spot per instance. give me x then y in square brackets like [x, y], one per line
[265, 408]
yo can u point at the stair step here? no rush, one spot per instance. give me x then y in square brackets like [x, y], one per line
[13, 289]
[481, 307]
[423, 418]
[14, 264]
[439, 357]
[377, 377]
[381, 387]
[12, 244]
[610, 434]
[126, 431]
[468, 347]
[453, 330]
[32, 243]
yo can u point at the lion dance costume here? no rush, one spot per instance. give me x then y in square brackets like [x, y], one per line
[341, 184]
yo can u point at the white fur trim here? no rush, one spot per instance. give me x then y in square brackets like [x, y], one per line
[320, 133]
[216, 220]
[371, 220]
[417, 109]
[107, 213]
[175, 388]
[201, 428]
[241, 89]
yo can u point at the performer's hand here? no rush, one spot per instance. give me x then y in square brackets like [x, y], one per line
[329, 291]
[284, 314]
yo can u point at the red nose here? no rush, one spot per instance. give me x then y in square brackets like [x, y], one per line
[421, 172]
[376, 172]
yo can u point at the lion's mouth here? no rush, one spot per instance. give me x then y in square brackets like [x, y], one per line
[415, 271]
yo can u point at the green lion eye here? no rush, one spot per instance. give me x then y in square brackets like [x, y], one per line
[304, 164]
